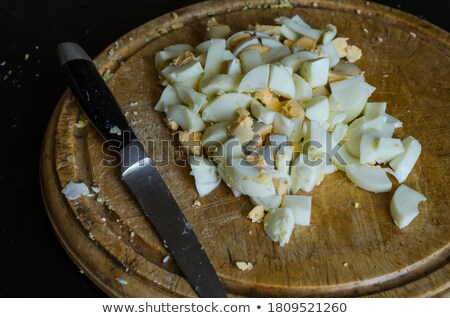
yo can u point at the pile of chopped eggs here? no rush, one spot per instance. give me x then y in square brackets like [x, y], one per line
[274, 109]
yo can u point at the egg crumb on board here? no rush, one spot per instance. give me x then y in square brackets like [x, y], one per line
[256, 214]
[166, 258]
[256, 107]
[244, 266]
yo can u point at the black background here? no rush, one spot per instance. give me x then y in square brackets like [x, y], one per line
[32, 262]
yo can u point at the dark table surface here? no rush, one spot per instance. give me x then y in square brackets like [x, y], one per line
[32, 262]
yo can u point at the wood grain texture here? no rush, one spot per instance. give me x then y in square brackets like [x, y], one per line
[109, 237]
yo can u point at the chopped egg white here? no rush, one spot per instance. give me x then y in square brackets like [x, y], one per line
[315, 72]
[370, 178]
[404, 163]
[257, 78]
[74, 190]
[404, 205]
[279, 225]
[273, 113]
[224, 107]
[300, 206]
[185, 117]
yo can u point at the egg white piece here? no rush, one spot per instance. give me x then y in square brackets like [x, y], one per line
[283, 158]
[315, 72]
[275, 54]
[281, 82]
[215, 135]
[163, 57]
[241, 176]
[404, 163]
[234, 66]
[301, 28]
[388, 149]
[269, 203]
[303, 92]
[329, 33]
[185, 117]
[329, 51]
[369, 146]
[261, 113]
[351, 95]
[257, 78]
[405, 205]
[250, 59]
[370, 178]
[317, 109]
[354, 136]
[300, 206]
[214, 58]
[252, 41]
[74, 190]
[339, 132]
[279, 225]
[169, 96]
[222, 83]
[305, 173]
[289, 34]
[224, 107]
[342, 158]
[282, 125]
[205, 188]
[296, 60]
[202, 169]
[195, 100]
[183, 72]
[315, 138]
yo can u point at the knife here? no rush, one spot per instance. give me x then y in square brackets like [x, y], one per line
[138, 172]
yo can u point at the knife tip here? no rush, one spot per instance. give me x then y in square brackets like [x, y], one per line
[68, 51]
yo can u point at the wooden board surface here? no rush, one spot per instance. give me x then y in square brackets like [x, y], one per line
[345, 252]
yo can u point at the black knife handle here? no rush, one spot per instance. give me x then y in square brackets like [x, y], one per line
[93, 95]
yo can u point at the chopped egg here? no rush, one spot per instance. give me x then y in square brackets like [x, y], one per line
[186, 118]
[275, 109]
[300, 206]
[257, 78]
[317, 109]
[404, 205]
[279, 225]
[370, 178]
[225, 106]
[315, 72]
[281, 82]
[403, 163]
[204, 172]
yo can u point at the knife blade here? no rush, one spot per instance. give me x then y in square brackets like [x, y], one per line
[138, 172]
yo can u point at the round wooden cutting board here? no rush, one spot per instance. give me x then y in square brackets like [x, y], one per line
[346, 251]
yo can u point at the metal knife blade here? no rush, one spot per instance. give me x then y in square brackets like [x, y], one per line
[138, 172]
